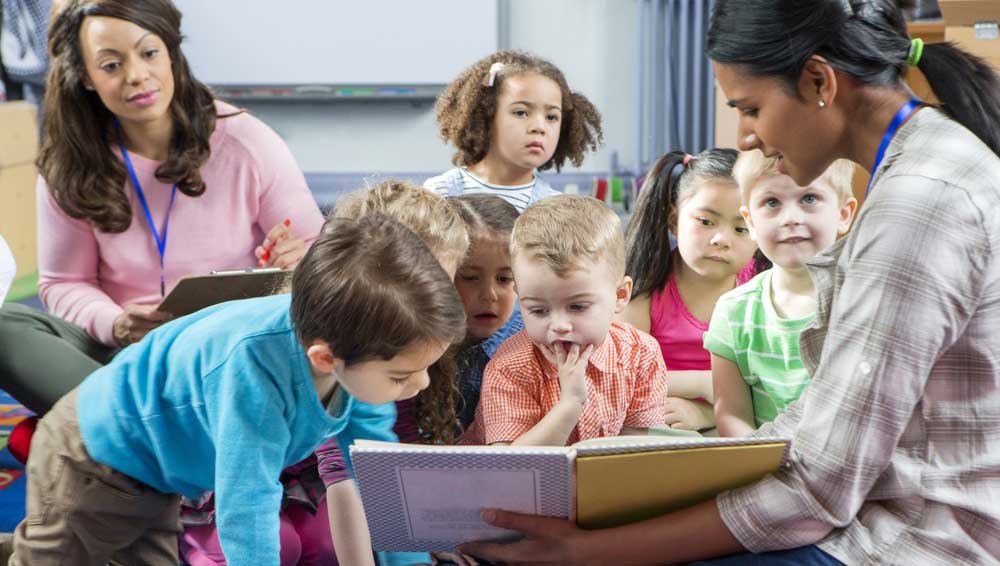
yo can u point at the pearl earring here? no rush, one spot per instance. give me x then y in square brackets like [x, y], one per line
[822, 104]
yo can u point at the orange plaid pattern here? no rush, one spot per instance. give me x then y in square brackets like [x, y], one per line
[626, 387]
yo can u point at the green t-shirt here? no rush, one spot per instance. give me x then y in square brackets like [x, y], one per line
[746, 330]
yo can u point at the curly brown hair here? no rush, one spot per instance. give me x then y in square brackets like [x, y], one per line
[84, 175]
[466, 108]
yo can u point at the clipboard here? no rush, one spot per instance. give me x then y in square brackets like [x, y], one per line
[196, 292]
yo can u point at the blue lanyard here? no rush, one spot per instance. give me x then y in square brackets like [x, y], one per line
[161, 239]
[897, 121]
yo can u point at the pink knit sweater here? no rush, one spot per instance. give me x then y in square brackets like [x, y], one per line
[253, 183]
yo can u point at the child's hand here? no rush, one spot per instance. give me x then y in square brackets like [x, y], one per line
[572, 365]
[688, 414]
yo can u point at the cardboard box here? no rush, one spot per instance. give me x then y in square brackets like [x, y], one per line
[18, 176]
[975, 26]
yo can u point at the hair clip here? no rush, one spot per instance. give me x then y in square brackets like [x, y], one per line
[491, 78]
[916, 52]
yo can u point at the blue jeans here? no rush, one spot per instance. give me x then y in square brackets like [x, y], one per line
[802, 556]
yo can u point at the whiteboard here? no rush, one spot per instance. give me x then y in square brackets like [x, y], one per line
[335, 42]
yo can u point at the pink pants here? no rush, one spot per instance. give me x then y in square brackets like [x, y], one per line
[305, 540]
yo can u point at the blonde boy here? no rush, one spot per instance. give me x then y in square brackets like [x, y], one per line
[754, 332]
[572, 373]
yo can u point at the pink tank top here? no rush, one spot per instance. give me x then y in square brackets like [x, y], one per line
[678, 331]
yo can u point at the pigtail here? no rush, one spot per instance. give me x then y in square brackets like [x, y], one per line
[967, 88]
[760, 262]
[647, 238]
[581, 132]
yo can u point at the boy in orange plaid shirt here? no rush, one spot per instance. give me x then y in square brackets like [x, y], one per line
[572, 373]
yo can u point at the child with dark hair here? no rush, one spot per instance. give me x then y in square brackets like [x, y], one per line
[439, 412]
[321, 516]
[226, 398]
[509, 115]
[686, 245]
[430, 416]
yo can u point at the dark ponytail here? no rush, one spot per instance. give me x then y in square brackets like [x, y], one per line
[667, 185]
[866, 39]
[968, 88]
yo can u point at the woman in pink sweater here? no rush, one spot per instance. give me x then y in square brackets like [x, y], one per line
[134, 142]
[145, 178]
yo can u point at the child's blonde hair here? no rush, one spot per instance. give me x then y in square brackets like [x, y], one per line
[426, 213]
[563, 229]
[752, 166]
[466, 108]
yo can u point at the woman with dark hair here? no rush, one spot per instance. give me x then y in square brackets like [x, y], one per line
[145, 178]
[896, 442]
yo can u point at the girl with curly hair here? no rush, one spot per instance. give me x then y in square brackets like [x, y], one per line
[509, 115]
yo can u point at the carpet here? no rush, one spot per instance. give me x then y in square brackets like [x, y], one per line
[12, 479]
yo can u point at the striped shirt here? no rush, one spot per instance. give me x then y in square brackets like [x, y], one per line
[747, 331]
[519, 196]
[896, 442]
[626, 387]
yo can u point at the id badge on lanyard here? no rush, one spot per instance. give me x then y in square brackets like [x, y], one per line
[159, 237]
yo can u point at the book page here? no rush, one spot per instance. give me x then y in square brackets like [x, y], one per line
[445, 504]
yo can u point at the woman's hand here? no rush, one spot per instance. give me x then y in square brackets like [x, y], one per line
[546, 540]
[453, 558]
[136, 322]
[281, 248]
[689, 414]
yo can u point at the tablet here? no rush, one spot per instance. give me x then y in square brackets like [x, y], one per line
[196, 292]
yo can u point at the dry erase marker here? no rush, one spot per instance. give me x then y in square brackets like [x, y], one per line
[267, 251]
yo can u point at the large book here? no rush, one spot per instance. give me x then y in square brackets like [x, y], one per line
[429, 498]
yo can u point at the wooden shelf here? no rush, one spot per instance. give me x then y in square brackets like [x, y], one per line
[931, 31]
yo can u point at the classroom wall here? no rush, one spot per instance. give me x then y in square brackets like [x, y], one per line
[592, 41]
